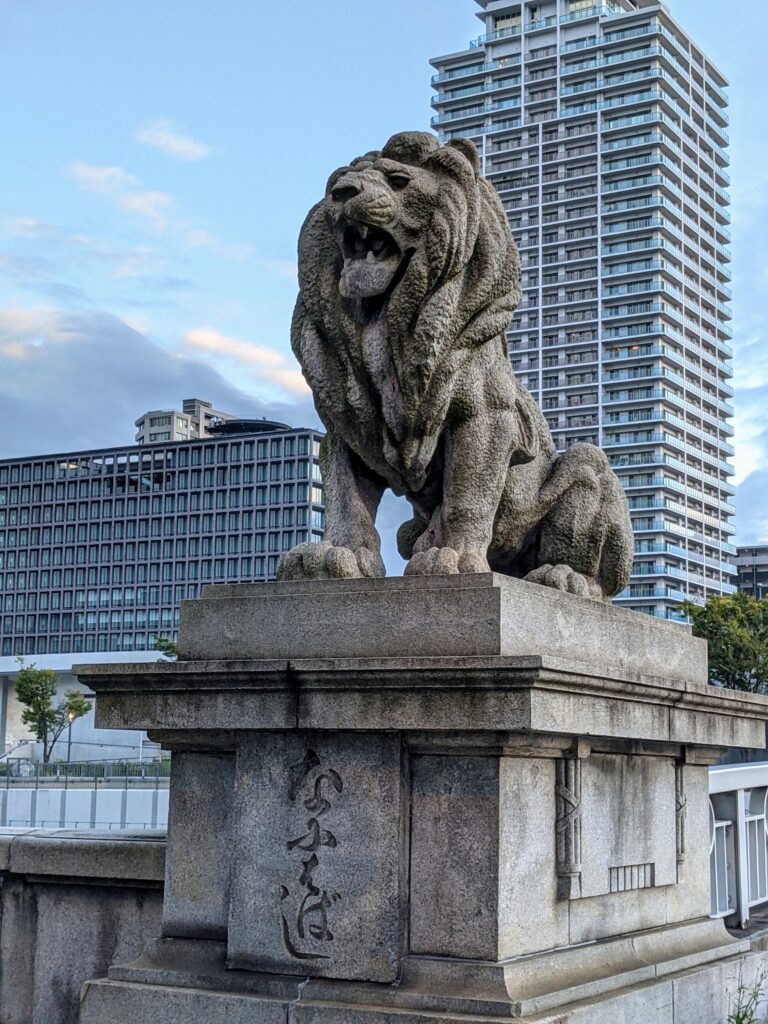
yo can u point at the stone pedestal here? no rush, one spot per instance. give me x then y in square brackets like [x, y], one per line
[402, 801]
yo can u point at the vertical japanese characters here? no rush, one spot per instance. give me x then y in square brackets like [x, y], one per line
[304, 904]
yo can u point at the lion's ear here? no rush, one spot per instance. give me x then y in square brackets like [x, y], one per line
[469, 150]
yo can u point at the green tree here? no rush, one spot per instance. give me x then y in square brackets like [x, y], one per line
[168, 648]
[736, 628]
[36, 689]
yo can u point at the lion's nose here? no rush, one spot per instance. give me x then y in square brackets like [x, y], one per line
[346, 190]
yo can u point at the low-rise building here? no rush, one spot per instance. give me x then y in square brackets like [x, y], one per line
[192, 422]
[752, 566]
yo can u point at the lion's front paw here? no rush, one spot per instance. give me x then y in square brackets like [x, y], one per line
[563, 577]
[323, 561]
[446, 562]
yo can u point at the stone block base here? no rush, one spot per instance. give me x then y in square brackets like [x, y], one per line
[412, 802]
[700, 994]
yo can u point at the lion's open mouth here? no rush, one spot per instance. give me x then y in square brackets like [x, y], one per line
[372, 259]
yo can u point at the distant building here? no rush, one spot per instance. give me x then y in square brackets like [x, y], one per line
[99, 548]
[752, 565]
[192, 422]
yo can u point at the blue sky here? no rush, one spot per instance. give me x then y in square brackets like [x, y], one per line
[158, 161]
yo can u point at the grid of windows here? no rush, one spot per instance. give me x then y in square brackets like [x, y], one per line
[98, 548]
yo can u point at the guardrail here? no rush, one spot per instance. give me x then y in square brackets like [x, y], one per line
[738, 851]
[22, 771]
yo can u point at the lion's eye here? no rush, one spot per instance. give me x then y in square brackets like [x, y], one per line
[399, 181]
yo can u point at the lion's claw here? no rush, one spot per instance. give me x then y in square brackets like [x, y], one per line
[445, 562]
[322, 561]
[563, 577]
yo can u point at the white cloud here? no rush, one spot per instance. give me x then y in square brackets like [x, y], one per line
[58, 374]
[102, 179]
[162, 135]
[154, 206]
[259, 361]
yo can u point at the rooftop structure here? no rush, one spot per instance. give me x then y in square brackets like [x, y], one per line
[192, 421]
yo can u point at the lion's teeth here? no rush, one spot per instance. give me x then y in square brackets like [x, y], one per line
[370, 257]
[364, 230]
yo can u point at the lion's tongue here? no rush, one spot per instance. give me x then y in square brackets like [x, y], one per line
[366, 278]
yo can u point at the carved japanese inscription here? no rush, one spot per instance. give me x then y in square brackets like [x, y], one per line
[304, 905]
[317, 858]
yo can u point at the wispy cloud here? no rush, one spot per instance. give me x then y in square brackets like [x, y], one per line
[154, 207]
[259, 361]
[102, 179]
[163, 136]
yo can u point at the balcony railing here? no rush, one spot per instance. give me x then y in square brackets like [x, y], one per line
[738, 840]
[602, 11]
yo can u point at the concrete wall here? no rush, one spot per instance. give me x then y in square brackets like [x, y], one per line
[70, 905]
[84, 808]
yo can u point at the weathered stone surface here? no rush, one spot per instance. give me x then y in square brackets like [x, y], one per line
[531, 917]
[89, 854]
[108, 1002]
[628, 824]
[69, 908]
[454, 879]
[198, 861]
[527, 694]
[318, 856]
[408, 277]
[487, 614]
[459, 836]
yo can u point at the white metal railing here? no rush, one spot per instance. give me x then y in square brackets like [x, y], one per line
[738, 851]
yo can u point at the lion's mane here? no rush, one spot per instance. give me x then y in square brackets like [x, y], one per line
[458, 293]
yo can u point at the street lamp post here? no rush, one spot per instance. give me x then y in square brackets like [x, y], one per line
[71, 718]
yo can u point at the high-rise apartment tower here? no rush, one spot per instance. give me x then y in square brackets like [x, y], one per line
[603, 131]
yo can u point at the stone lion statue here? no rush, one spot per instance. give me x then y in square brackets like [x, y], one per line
[408, 277]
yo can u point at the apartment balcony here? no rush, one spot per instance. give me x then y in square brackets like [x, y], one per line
[480, 110]
[620, 58]
[601, 11]
[636, 141]
[492, 37]
[470, 72]
[642, 203]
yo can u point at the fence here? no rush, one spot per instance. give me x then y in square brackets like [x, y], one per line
[738, 851]
[85, 794]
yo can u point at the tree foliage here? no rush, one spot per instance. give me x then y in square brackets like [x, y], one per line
[36, 689]
[736, 628]
[167, 648]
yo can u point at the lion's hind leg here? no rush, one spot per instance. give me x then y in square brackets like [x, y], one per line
[584, 542]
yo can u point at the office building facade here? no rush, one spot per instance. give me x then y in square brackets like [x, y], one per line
[99, 548]
[603, 131]
[752, 566]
